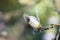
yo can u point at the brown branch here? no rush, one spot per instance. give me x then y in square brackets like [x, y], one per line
[55, 24]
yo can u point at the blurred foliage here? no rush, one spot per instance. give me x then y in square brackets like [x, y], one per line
[44, 7]
[9, 5]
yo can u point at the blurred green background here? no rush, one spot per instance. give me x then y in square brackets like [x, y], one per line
[13, 13]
